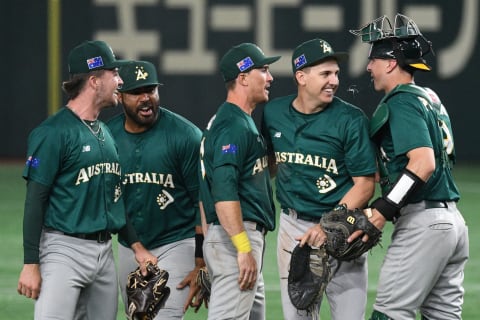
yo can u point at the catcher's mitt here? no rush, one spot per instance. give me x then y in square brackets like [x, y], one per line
[146, 294]
[339, 224]
[203, 282]
[308, 276]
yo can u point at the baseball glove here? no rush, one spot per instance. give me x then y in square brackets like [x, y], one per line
[339, 224]
[146, 294]
[203, 282]
[308, 276]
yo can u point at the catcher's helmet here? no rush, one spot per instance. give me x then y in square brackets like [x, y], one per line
[407, 51]
[400, 41]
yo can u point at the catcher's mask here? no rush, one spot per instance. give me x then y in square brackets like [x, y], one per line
[403, 42]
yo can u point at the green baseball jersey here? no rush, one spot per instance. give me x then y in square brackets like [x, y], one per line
[160, 178]
[317, 154]
[232, 139]
[82, 171]
[413, 117]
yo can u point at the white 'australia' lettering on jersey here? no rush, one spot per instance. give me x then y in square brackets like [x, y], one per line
[330, 165]
[165, 180]
[85, 174]
[260, 165]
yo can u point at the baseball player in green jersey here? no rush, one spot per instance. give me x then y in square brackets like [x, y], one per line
[74, 197]
[319, 146]
[159, 158]
[235, 188]
[423, 267]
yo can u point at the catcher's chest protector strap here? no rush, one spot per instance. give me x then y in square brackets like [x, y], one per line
[381, 114]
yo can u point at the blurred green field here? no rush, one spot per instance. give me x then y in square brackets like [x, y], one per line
[15, 307]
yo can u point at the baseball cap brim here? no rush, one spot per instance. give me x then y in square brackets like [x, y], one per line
[269, 60]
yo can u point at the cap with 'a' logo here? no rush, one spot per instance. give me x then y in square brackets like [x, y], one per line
[137, 74]
[91, 56]
[312, 52]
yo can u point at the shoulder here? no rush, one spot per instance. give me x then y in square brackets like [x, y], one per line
[279, 103]
[56, 124]
[177, 120]
[346, 108]
[116, 122]
[177, 127]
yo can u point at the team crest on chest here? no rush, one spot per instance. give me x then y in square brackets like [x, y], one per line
[325, 184]
[164, 199]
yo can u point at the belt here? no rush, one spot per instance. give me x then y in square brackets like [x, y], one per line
[435, 204]
[424, 205]
[99, 236]
[294, 214]
[252, 225]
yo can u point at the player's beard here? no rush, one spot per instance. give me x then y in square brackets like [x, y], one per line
[144, 115]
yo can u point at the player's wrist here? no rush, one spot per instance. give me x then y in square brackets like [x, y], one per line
[241, 242]
[406, 185]
[198, 245]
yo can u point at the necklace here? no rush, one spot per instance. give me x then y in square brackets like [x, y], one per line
[98, 133]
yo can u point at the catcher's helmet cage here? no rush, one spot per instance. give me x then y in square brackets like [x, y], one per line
[400, 42]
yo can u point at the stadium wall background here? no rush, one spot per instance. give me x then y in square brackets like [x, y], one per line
[186, 38]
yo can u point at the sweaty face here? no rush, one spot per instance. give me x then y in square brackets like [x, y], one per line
[141, 107]
[321, 82]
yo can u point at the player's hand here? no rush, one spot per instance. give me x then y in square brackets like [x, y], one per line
[248, 270]
[143, 256]
[30, 281]
[377, 219]
[314, 237]
[190, 280]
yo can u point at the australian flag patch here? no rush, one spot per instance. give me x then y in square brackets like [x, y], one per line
[300, 61]
[96, 62]
[229, 148]
[245, 64]
[32, 162]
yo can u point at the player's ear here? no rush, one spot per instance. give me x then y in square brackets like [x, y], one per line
[242, 78]
[300, 77]
[392, 63]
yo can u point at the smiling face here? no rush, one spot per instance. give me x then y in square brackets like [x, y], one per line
[319, 83]
[141, 108]
[107, 88]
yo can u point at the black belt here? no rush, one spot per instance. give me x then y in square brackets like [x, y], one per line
[99, 236]
[426, 204]
[435, 204]
[300, 216]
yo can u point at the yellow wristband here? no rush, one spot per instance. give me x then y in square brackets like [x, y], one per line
[241, 242]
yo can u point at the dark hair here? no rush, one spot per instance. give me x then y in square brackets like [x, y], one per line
[229, 85]
[76, 83]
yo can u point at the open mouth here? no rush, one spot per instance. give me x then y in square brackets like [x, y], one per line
[145, 111]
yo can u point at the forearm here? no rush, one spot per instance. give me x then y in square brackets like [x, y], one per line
[35, 206]
[420, 166]
[230, 216]
[360, 193]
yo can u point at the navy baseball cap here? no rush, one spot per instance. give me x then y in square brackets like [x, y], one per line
[92, 55]
[137, 74]
[243, 58]
[313, 52]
